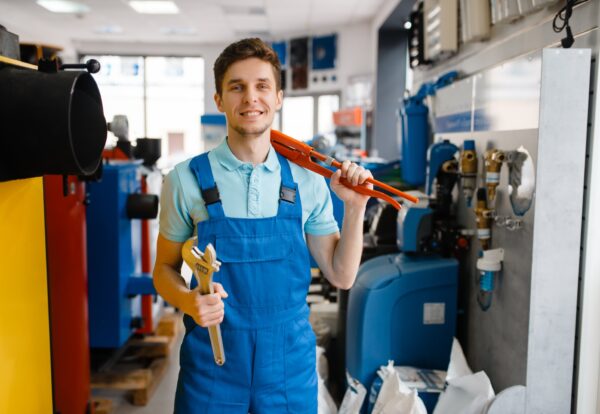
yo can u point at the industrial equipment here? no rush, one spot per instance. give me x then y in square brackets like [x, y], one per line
[119, 245]
[415, 131]
[113, 242]
[53, 123]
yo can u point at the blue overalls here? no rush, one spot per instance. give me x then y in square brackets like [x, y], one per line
[268, 342]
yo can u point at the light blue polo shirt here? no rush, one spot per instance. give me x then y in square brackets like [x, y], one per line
[246, 192]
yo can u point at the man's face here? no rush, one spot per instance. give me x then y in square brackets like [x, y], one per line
[249, 98]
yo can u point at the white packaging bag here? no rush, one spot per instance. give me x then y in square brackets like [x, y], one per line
[354, 397]
[458, 366]
[326, 403]
[395, 397]
[469, 394]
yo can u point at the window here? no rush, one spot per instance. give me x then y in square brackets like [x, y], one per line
[163, 97]
[303, 117]
[298, 117]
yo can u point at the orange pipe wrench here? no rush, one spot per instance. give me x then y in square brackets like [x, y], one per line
[302, 154]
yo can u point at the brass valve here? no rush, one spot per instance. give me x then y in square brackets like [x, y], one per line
[493, 163]
[484, 219]
[468, 170]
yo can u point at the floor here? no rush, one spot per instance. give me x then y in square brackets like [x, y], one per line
[164, 396]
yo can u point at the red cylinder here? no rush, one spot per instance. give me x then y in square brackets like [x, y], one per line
[67, 275]
[148, 323]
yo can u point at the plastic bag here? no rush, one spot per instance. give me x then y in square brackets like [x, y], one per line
[458, 366]
[395, 397]
[326, 403]
[354, 396]
[469, 394]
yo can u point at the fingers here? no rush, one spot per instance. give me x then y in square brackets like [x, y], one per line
[335, 178]
[354, 173]
[211, 312]
[207, 310]
[220, 290]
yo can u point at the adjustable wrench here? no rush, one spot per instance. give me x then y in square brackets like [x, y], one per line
[203, 265]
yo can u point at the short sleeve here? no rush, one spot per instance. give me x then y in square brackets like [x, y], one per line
[321, 221]
[175, 222]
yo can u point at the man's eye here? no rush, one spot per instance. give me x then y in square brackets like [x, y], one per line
[263, 86]
[236, 88]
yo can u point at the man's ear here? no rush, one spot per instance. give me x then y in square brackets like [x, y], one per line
[279, 101]
[219, 102]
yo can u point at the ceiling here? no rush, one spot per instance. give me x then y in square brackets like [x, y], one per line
[203, 21]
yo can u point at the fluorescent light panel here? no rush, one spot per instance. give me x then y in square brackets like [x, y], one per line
[63, 6]
[154, 7]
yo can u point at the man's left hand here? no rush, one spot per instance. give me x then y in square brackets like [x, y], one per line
[355, 175]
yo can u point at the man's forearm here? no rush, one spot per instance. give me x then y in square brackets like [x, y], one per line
[169, 284]
[348, 251]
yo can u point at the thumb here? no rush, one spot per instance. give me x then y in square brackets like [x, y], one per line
[335, 178]
[220, 290]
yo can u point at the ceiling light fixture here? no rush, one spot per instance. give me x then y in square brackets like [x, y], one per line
[407, 25]
[63, 6]
[154, 7]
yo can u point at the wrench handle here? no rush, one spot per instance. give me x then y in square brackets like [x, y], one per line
[216, 343]
[216, 340]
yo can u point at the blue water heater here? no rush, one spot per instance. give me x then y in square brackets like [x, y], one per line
[402, 308]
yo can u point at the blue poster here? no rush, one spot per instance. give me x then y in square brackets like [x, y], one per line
[281, 49]
[324, 52]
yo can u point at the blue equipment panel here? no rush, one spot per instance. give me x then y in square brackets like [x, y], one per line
[111, 255]
[401, 308]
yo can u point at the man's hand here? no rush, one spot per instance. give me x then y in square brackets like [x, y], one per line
[206, 310]
[355, 175]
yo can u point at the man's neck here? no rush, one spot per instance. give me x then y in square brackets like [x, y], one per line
[252, 149]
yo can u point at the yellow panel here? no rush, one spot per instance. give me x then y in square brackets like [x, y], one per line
[25, 373]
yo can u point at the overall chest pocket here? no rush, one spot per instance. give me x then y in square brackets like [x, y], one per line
[254, 249]
[260, 272]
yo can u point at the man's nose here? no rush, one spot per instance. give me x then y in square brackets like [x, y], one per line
[250, 95]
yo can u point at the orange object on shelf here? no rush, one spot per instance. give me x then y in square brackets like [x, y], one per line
[348, 117]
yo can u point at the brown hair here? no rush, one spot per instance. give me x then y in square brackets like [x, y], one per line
[245, 49]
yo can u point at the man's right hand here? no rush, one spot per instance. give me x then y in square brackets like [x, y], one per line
[206, 310]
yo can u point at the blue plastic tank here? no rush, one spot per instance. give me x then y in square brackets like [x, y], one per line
[403, 308]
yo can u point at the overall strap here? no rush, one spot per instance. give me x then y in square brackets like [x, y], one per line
[200, 165]
[289, 196]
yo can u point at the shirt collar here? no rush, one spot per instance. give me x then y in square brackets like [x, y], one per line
[231, 163]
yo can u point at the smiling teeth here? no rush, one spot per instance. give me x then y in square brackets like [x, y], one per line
[255, 113]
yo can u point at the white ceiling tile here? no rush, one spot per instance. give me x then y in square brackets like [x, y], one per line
[250, 23]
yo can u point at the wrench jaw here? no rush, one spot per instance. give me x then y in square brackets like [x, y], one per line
[203, 266]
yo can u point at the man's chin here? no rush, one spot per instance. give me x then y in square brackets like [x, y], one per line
[252, 132]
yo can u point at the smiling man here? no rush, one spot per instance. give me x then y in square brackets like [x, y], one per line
[263, 215]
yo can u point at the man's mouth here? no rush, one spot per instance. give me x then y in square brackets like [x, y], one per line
[251, 114]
